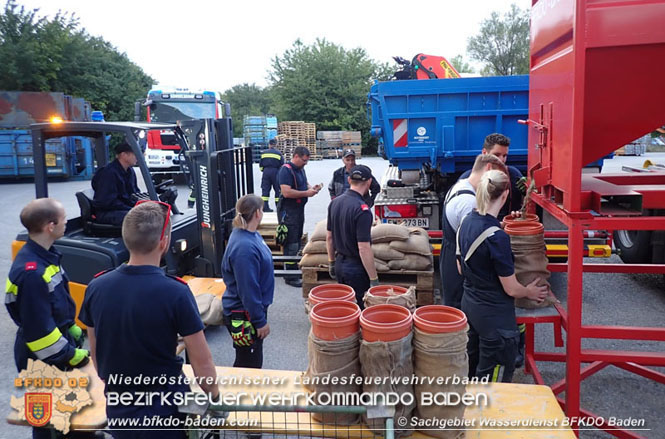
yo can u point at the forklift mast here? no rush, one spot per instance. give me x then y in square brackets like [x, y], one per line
[220, 174]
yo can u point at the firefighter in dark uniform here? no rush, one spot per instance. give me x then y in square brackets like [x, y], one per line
[498, 145]
[348, 240]
[490, 286]
[37, 295]
[114, 186]
[135, 314]
[271, 161]
[291, 206]
[459, 201]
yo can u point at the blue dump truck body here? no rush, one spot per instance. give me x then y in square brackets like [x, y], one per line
[69, 157]
[443, 122]
[432, 130]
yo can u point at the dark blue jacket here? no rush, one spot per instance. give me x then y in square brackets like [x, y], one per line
[271, 158]
[114, 187]
[248, 273]
[38, 300]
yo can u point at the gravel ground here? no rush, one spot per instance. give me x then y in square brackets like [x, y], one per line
[608, 299]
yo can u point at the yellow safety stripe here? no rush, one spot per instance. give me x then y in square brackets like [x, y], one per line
[266, 198]
[11, 288]
[271, 155]
[50, 271]
[522, 327]
[495, 375]
[46, 341]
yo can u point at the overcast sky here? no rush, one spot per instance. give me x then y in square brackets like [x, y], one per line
[215, 45]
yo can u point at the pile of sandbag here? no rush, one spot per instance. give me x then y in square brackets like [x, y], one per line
[398, 247]
[395, 248]
[315, 253]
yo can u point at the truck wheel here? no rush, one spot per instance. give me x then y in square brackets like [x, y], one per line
[633, 245]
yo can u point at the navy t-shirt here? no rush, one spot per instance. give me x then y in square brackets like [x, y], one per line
[493, 258]
[350, 221]
[138, 312]
[249, 275]
[297, 179]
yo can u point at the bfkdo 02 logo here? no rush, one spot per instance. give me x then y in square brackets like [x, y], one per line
[38, 408]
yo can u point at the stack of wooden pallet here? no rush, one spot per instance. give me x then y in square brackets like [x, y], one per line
[331, 144]
[297, 133]
[422, 280]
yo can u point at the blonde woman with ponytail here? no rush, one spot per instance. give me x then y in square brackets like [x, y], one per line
[490, 285]
[247, 269]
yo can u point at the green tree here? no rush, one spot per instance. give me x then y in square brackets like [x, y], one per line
[247, 100]
[326, 84]
[502, 43]
[461, 65]
[41, 54]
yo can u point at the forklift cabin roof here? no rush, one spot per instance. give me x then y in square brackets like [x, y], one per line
[96, 130]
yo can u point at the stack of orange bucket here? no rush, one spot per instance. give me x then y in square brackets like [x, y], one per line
[440, 357]
[333, 344]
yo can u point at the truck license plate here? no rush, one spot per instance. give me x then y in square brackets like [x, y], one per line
[50, 159]
[410, 222]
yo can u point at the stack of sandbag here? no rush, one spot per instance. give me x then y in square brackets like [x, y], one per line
[398, 247]
[315, 253]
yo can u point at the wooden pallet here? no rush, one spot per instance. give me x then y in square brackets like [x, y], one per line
[423, 281]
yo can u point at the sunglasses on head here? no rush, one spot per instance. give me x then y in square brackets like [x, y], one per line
[166, 207]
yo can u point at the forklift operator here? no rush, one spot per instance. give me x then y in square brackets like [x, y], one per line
[114, 186]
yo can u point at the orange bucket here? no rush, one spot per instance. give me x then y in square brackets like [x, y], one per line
[334, 319]
[385, 322]
[509, 219]
[382, 290]
[439, 319]
[524, 228]
[327, 292]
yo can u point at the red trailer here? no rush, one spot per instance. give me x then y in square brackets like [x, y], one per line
[595, 85]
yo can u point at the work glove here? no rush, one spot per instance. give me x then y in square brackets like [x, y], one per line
[242, 332]
[280, 234]
[373, 282]
[331, 270]
[521, 185]
[77, 334]
[80, 358]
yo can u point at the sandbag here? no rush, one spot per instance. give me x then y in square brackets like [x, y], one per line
[320, 231]
[411, 262]
[210, 309]
[389, 232]
[418, 243]
[314, 260]
[385, 252]
[440, 355]
[338, 358]
[390, 360]
[315, 247]
[531, 263]
[381, 265]
[407, 300]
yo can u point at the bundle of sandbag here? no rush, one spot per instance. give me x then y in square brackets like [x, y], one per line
[315, 253]
[397, 247]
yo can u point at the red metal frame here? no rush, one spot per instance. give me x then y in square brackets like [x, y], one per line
[594, 85]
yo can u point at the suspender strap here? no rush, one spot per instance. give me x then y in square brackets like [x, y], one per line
[479, 240]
